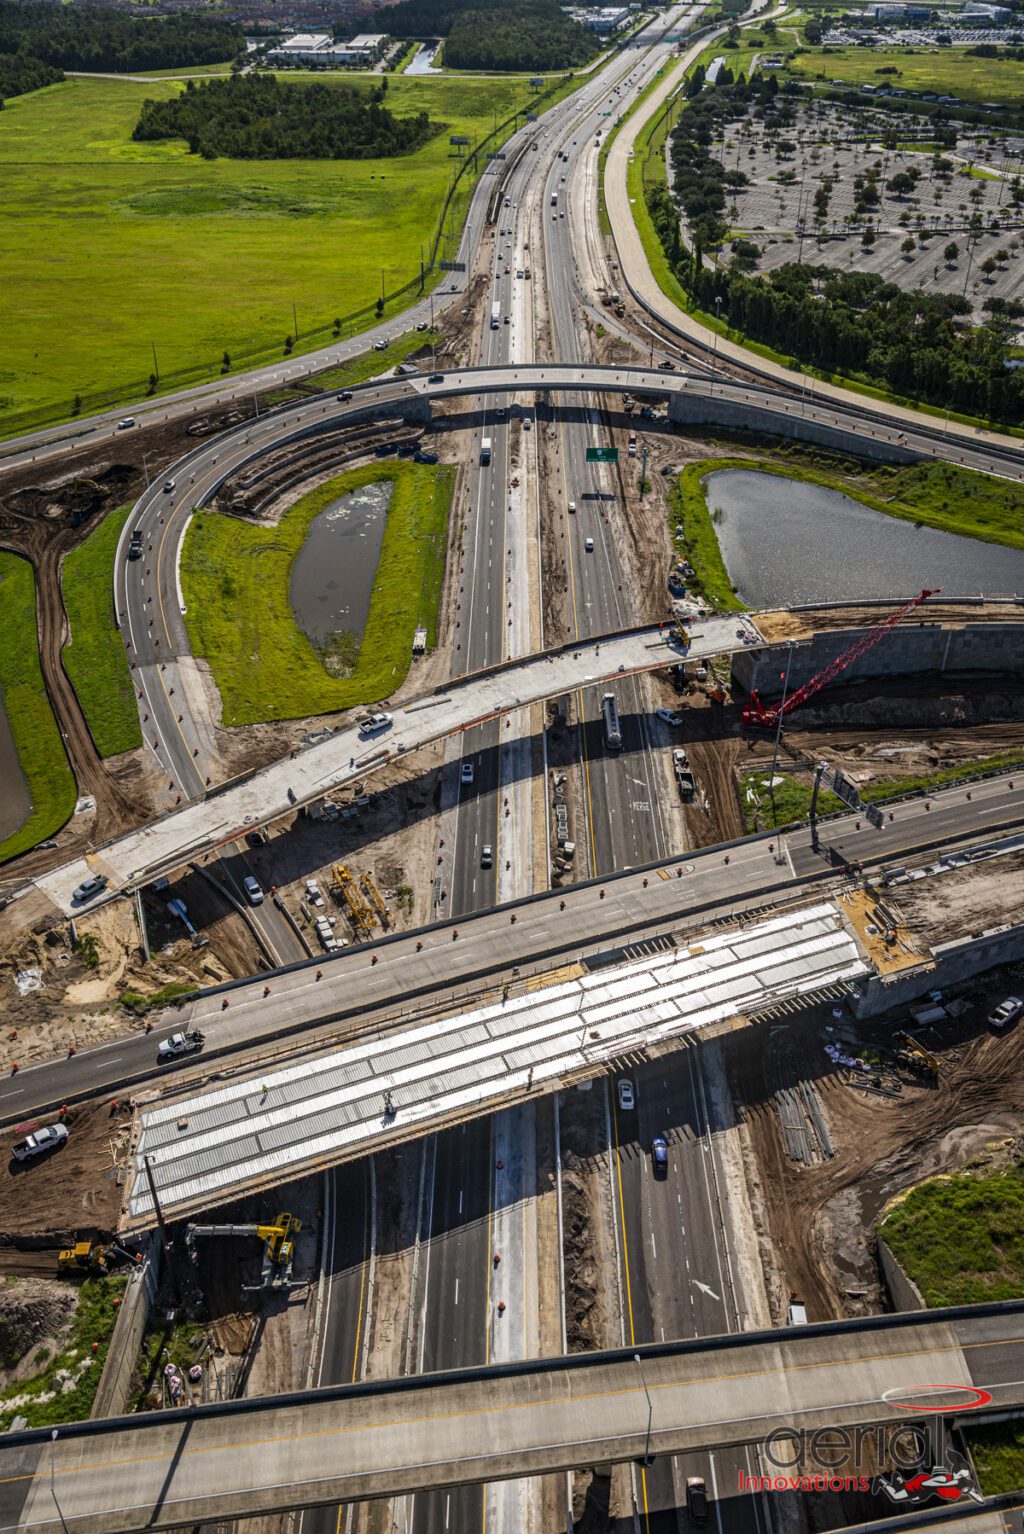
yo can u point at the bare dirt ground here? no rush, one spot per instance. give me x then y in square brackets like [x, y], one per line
[819, 1234]
[72, 1190]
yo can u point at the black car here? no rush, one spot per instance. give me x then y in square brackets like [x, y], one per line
[135, 547]
[697, 1499]
[667, 366]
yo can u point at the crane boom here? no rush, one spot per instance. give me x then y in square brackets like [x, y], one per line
[755, 712]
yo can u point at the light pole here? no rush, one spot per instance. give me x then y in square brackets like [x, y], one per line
[648, 1458]
[53, 1478]
[778, 726]
[714, 349]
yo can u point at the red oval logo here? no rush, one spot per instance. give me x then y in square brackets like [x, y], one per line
[977, 1399]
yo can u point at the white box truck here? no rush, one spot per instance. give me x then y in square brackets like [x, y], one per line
[485, 450]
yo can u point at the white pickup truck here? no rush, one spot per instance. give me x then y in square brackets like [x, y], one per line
[39, 1142]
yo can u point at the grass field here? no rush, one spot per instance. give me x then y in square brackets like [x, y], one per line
[38, 742]
[110, 248]
[947, 71]
[792, 799]
[236, 580]
[94, 656]
[961, 1238]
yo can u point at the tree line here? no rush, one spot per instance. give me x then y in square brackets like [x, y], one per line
[258, 117]
[918, 345]
[20, 72]
[497, 34]
[94, 39]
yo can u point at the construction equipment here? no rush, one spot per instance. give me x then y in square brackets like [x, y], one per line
[914, 1054]
[94, 1257]
[755, 713]
[361, 915]
[278, 1247]
[377, 900]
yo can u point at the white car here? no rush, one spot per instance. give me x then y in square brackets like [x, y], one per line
[168, 487]
[1006, 1013]
[375, 724]
[39, 1142]
[253, 890]
[89, 887]
[572, 507]
[381, 346]
[468, 772]
[670, 716]
[179, 1044]
[627, 1096]
[129, 420]
[589, 545]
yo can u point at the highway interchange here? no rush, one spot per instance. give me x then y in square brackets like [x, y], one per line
[668, 1229]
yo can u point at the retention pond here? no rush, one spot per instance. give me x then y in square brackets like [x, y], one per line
[332, 577]
[787, 542]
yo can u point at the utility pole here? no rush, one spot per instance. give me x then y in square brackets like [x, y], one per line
[714, 349]
[778, 727]
[167, 1243]
[156, 365]
[295, 321]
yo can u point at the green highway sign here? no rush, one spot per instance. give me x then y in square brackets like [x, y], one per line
[602, 455]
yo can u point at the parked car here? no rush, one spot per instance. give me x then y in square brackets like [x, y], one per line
[670, 716]
[406, 369]
[487, 856]
[381, 346]
[375, 724]
[468, 772]
[253, 890]
[1006, 1013]
[422, 325]
[627, 1096]
[697, 1499]
[51, 1137]
[179, 1044]
[89, 887]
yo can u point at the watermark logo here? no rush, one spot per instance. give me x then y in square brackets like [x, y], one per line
[951, 1481]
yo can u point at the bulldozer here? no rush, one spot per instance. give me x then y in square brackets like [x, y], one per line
[95, 1258]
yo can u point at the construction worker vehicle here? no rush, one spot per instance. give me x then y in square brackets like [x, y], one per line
[278, 1247]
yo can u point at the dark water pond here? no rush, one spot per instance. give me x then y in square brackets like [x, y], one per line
[15, 803]
[785, 542]
[332, 577]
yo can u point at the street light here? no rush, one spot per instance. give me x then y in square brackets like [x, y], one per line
[648, 1458]
[53, 1478]
[714, 349]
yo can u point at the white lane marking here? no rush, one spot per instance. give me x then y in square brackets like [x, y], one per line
[706, 1289]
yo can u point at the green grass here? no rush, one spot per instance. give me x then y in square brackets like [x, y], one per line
[111, 247]
[961, 1238]
[236, 576]
[23, 694]
[93, 1322]
[793, 797]
[358, 369]
[94, 656]
[688, 505]
[946, 71]
[168, 995]
[998, 1454]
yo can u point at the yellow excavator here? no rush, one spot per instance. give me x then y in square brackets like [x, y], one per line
[278, 1246]
[94, 1257]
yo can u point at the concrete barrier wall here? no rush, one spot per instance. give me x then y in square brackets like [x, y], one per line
[695, 409]
[129, 1329]
[911, 649]
[903, 1292]
[954, 963]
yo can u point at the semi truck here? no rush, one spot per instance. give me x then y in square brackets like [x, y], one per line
[612, 728]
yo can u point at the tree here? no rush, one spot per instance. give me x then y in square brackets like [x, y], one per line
[867, 239]
[909, 246]
[225, 363]
[695, 83]
[288, 344]
[988, 266]
[380, 307]
[76, 406]
[901, 185]
[950, 253]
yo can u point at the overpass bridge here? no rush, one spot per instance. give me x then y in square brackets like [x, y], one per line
[345, 756]
[251, 1458]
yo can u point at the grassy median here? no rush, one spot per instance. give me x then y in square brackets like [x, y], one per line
[94, 656]
[236, 583]
[36, 736]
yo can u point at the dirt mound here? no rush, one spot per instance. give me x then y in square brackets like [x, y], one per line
[32, 1312]
[72, 1189]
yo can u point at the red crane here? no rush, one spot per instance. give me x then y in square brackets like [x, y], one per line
[755, 713]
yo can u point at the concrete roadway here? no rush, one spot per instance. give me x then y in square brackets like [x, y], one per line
[412, 969]
[252, 1458]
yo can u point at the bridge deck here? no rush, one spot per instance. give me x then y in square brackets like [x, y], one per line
[321, 1447]
[167, 843]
